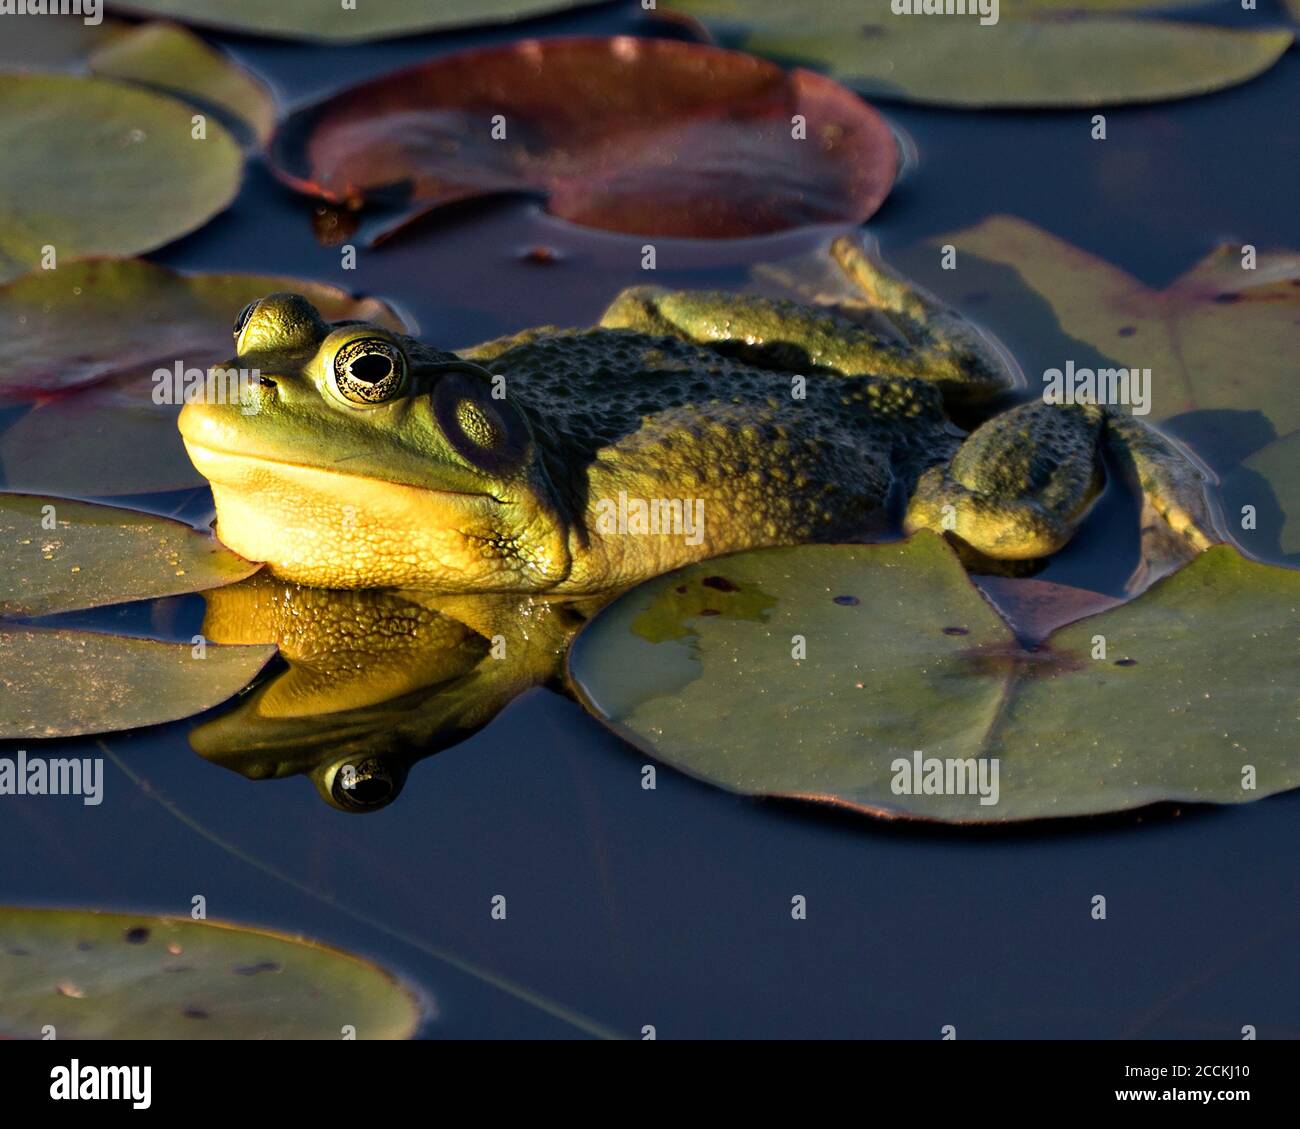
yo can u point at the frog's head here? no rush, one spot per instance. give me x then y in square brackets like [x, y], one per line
[355, 457]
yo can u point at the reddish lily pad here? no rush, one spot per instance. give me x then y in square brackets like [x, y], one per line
[101, 330]
[655, 137]
[98, 167]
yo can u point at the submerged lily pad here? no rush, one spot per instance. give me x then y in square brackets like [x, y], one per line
[1040, 53]
[1279, 465]
[57, 555]
[111, 325]
[332, 22]
[1194, 693]
[159, 55]
[1218, 337]
[63, 683]
[1219, 341]
[99, 167]
[656, 137]
[95, 975]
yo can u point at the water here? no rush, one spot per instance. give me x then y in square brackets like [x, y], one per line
[672, 907]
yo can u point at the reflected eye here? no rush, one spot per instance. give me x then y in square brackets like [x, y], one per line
[486, 432]
[242, 320]
[369, 371]
[366, 785]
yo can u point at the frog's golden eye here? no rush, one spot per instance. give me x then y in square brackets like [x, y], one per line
[368, 371]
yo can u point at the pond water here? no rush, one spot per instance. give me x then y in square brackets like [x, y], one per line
[672, 907]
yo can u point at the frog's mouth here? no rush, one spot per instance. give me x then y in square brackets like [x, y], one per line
[238, 470]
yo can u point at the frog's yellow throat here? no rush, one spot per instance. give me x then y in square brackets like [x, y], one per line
[324, 528]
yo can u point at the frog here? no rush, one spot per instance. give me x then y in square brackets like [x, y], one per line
[683, 425]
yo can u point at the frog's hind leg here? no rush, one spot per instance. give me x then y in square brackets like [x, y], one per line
[1020, 484]
[931, 327]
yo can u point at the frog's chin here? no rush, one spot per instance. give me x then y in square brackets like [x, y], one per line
[328, 529]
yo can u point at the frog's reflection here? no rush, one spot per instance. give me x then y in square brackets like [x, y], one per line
[375, 680]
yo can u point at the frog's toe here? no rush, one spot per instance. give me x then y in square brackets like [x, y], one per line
[1018, 486]
[1003, 528]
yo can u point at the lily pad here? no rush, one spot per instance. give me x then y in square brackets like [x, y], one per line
[43, 45]
[1194, 694]
[64, 683]
[103, 329]
[650, 136]
[57, 555]
[95, 975]
[1219, 341]
[99, 167]
[163, 56]
[1040, 53]
[332, 22]
[1218, 337]
[177, 61]
[1278, 465]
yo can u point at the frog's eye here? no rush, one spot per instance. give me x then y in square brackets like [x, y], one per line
[486, 432]
[366, 785]
[242, 320]
[368, 371]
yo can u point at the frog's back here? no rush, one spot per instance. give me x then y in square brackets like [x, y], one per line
[774, 459]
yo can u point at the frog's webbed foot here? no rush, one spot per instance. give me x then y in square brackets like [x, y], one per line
[1018, 486]
[1177, 518]
[1021, 483]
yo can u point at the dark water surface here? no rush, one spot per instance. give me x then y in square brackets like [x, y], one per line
[672, 907]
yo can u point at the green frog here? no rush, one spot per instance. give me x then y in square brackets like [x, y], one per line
[685, 425]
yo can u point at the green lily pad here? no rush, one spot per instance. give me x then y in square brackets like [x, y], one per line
[92, 975]
[176, 61]
[64, 683]
[98, 555]
[159, 55]
[1219, 340]
[1197, 681]
[330, 21]
[1218, 337]
[103, 329]
[99, 167]
[1041, 53]
[646, 136]
[1278, 465]
[43, 45]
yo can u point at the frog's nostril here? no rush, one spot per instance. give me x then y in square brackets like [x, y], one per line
[266, 381]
